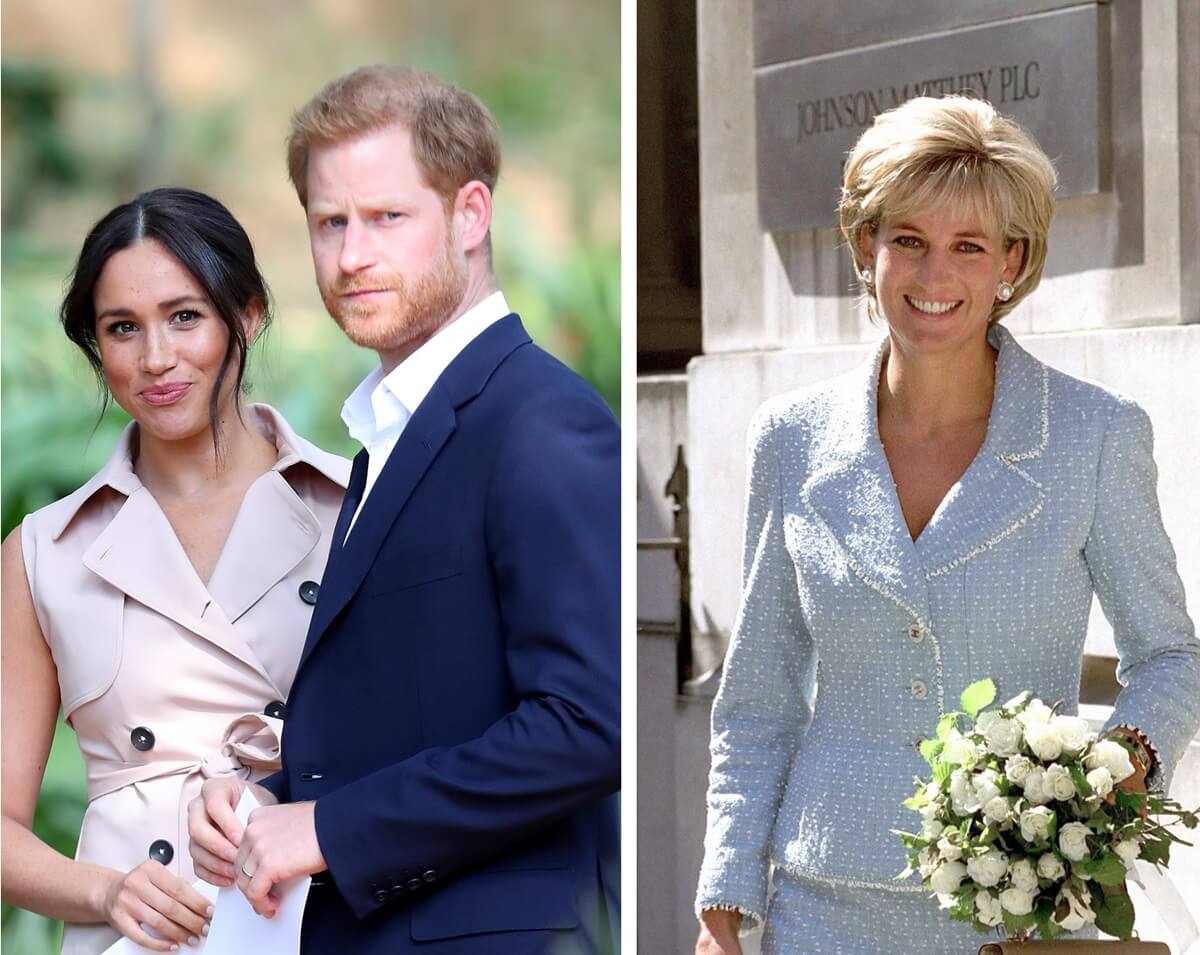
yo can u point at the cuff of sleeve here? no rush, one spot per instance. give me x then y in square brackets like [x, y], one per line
[734, 882]
[750, 920]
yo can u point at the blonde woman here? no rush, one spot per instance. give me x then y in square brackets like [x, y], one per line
[943, 513]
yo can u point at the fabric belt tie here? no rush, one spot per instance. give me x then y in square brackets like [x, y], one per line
[250, 742]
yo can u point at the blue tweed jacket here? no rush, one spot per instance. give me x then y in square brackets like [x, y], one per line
[852, 639]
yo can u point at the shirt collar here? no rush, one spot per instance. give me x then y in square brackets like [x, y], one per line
[382, 404]
[291, 449]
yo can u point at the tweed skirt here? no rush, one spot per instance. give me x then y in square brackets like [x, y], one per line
[806, 917]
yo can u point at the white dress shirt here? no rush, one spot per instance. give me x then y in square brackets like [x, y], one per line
[379, 408]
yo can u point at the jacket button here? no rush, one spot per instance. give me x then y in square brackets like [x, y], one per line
[309, 591]
[381, 896]
[398, 889]
[429, 875]
[916, 633]
[919, 690]
[142, 739]
[414, 884]
[276, 709]
[162, 851]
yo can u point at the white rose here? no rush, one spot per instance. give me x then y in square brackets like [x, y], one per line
[962, 794]
[1050, 867]
[986, 719]
[1023, 876]
[959, 750]
[1035, 823]
[986, 786]
[987, 909]
[928, 861]
[932, 828]
[1073, 732]
[948, 850]
[1079, 910]
[1101, 781]
[1017, 901]
[1017, 768]
[1043, 740]
[997, 809]
[989, 868]
[1003, 737]
[1057, 783]
[1033, 786]
[1128, 850]
[1072, 840]
[1036, 712]
[1112, 756]
[948, 877]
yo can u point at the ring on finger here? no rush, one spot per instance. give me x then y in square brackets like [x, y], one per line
[246, 872]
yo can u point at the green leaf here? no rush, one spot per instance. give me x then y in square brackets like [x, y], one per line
[931, 749]
[1084, 866]
[1080, 781]
[1109, 870]
[1156, 852]
[1018, 923]
[1129, 800]
[942, 771]
[1046, 927]
[979, 694]
[1114, 913]
[946, 724]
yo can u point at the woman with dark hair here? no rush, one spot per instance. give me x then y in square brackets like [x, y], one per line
[164, 604]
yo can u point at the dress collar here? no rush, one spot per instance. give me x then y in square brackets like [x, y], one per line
[118, 474]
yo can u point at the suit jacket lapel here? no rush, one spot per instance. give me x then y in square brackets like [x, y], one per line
[998, 494]
[854, 495]
[423, 438]
[139, 554]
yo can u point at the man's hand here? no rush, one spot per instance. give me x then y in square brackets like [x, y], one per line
[279, 842]
[214, 830]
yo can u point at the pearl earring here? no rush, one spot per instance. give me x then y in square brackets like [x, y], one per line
[868, 277]
[1005, 291]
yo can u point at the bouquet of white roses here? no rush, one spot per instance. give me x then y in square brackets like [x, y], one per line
[1024, 827]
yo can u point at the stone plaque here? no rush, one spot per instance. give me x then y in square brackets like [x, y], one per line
[1048, 72]
[787, 30]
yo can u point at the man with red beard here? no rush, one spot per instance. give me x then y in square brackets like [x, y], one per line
[452, 736]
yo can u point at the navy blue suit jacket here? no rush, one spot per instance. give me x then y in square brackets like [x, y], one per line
[456, 712]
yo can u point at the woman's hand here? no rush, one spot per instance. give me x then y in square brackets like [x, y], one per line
[719, 933]
[153, 896]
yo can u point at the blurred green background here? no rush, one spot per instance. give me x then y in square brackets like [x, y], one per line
[104, 99]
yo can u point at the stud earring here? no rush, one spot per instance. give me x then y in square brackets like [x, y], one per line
[868, 277]
[1004, 291]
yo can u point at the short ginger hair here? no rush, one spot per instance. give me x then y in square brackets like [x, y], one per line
[958, 149]
[455, 139]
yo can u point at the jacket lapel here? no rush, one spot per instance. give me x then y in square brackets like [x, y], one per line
[246, 569]
[854, 495]
[997, 495]
[139, 554]
[431, 426]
